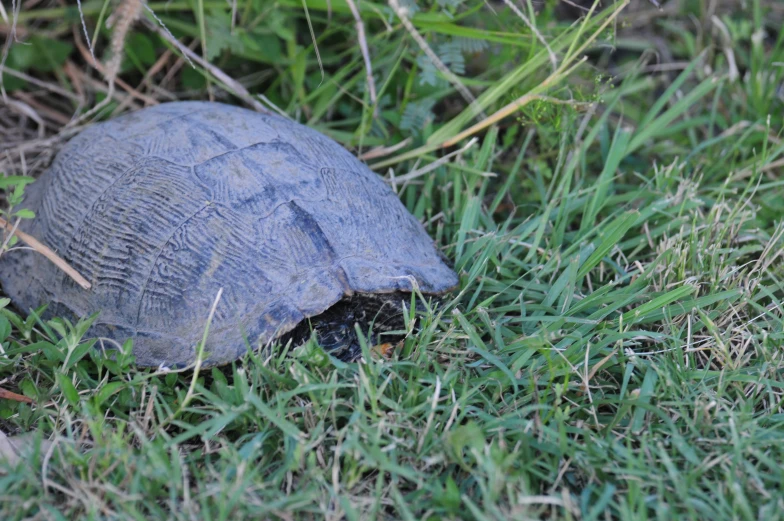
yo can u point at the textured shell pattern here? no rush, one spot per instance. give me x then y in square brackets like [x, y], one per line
[162, 208]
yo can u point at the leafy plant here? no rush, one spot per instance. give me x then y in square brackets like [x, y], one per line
[12, 190]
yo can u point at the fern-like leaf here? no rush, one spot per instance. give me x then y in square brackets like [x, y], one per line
[416, 115]
[451, 54]
[470, 45]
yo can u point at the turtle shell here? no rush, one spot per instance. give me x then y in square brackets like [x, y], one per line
[163, 208]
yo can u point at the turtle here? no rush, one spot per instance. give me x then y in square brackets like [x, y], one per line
[189, 210]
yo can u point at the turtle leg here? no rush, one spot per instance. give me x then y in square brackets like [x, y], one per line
[340, 339]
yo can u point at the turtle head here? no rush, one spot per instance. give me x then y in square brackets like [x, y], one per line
[378, 317]
[340, 338]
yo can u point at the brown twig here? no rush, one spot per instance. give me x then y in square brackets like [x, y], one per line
[110, 92]
[749, 170]
[51, 87]
[47, 112]
[8, 395]
[168, 79]
[26, 110]
[159, 64]
[127, 12]
[382, 151]
[100, 68]
[437, 163]
[46, 252]
[230, 83]
[74, 74]
[365, 53]
[274, 107]
[743, 125]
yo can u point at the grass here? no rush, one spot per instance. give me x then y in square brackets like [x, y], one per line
[614, 350]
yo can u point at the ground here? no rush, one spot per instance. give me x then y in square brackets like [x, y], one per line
[608, 184]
